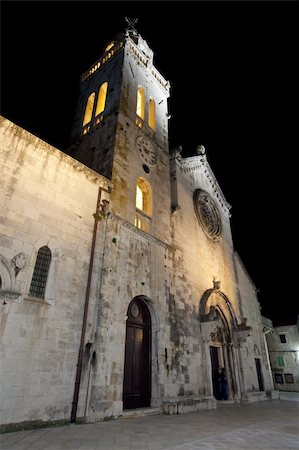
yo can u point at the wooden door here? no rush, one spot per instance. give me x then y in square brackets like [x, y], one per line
[137, 370]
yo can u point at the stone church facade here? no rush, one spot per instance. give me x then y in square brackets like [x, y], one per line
[120, 286]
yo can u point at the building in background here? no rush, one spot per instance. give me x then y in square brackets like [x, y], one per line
[283, 347]
[120, 286]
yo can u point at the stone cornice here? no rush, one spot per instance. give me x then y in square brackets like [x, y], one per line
[147, 236]
[192, 164]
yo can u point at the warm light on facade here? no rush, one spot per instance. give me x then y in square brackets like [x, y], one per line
[89, 109]
[102, 98]
[139, 198]
[144, 208]
[109, 46]
[152, 114]
[140, 103]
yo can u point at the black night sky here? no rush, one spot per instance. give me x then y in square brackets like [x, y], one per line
[233, 74]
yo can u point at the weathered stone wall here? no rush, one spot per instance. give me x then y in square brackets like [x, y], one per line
[290, 353]
[198, 261]
[128, 163]
[255, 346]
[203, 259]
[96, 147]
[135, 264]
[47, 198]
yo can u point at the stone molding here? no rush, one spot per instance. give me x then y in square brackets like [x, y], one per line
[147, 236]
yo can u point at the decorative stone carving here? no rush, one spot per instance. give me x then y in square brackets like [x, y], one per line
[211, 316]
[207, 213]
[216, 284]
[243, 325]
[200, 150]
[242, 332]
[178, 153]
[18, 262]
[216, 335]
[142, 233]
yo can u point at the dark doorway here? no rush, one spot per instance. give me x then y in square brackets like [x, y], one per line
[137, 370]
[215, 364]
[259, 374]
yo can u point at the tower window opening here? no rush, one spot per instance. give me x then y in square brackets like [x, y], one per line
[139, 198]
[109, 46]
[102, 98]
[143, 204]
[140, 104]
[89, 109]
[152, 114]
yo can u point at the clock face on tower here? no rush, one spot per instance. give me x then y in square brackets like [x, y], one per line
[146, 150]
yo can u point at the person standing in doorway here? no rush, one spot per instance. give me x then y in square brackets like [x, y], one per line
[217, 383]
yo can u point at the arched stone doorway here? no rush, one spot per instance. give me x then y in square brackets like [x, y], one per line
[223, 337]
[219, 342]
[137, 367]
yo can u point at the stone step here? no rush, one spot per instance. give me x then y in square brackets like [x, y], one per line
[224, 403]
[139, 412]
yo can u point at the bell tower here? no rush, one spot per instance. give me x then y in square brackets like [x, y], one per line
[121, 130]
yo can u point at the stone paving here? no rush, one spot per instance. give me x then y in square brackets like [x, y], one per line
[266, 425]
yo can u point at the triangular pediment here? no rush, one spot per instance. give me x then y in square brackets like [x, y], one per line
[199, 165]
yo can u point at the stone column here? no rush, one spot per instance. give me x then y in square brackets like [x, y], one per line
[241, 373]
[207, 374]
[234, 364]
[228, 370]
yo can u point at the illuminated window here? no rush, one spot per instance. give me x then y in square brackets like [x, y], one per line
[144, 207]
[152, 114]
[89, 109]
[40, 273]
[144, 196]
[102, 98]
[139, 198]
[140, 103]
[109, 46]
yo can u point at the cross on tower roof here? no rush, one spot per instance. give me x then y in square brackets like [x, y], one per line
[131, 24]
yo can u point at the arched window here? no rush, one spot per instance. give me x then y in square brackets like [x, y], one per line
[40, 273]
[89, 109]
[152, 114]
[140, 103]
[109, 46]
[139, 198]
[144, 204]
[101, 98]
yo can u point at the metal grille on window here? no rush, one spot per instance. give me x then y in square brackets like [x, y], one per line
[40, 274]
